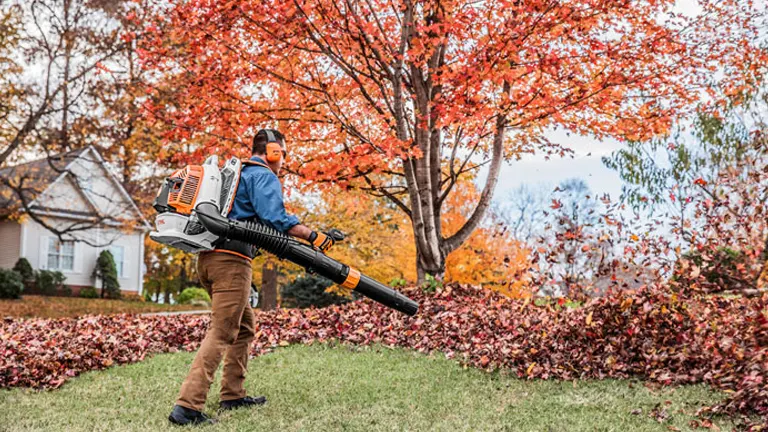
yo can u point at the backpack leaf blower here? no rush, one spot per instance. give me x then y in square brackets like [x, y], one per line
[192, 206]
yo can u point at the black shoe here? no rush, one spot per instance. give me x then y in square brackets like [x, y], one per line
[242, 402]
[185, 416]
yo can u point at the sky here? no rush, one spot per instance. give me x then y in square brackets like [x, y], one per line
[585, 164]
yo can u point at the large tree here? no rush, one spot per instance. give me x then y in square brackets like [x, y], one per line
[62, 44]
[400, 98]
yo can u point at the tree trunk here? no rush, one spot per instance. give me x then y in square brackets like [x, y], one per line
[434, 266]
[268, 294]
[431, 247]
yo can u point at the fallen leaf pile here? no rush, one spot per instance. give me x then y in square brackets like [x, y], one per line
[648, 334]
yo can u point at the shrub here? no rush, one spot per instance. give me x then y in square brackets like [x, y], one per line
[48, 282]
[24, 269]
[194, 295]
[106, 270]
[398, 283]
[431, 284]
[310, 290]
[66, 291]
[89, 292]
[11, 284]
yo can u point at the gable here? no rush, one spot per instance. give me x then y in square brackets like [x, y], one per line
[95, 183]
[64, 194]
[77, 183]
[25, 182]
[99, 188]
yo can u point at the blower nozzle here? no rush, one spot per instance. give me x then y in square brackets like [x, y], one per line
[285, 247]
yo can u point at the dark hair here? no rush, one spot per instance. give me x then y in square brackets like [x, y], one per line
[260, 140]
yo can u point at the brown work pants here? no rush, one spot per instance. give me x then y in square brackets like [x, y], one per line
[228, 279]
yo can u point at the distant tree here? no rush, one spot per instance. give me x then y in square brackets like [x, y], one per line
[11, 90]
[106, 272]
[523, 210]
[572, 249]
[169, 271]
[708, 182]
[491, 256]
[72, 45]
[67, 41]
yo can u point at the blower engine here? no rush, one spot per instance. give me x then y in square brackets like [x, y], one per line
[193, 204]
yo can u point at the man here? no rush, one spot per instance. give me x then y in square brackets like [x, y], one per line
[226, 273]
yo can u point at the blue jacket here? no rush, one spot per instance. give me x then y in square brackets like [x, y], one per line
[259, 197]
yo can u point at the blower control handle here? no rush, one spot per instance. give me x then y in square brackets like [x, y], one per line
[335, 234]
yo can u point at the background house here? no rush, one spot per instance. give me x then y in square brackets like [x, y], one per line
[76, 194]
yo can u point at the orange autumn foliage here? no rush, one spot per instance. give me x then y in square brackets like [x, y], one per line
[490, 256]
[378, 242]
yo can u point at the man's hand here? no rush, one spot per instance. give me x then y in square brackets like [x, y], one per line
[324, 241]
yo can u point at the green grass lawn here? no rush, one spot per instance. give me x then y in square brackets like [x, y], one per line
[327, 388]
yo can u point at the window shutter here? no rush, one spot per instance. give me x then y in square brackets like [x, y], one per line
[43, 263]
[77, 266]
[127, 269]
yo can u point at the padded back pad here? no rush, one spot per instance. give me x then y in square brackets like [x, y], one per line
[230, 178]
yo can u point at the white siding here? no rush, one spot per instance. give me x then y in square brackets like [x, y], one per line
[95, 182]
[86, 255]
[63, 195]
[10, 237]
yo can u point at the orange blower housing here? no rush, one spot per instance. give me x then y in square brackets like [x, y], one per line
[185, 185]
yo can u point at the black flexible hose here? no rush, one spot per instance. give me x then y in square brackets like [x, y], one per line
[286, 247]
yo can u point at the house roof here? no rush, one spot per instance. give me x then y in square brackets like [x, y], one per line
[28, 180]
[24, 183]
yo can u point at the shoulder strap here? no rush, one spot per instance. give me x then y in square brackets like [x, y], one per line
[254, 163]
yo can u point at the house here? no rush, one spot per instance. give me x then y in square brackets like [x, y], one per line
[76, 194]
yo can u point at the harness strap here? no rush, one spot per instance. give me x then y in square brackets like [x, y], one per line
[254, 163]
[235, 247]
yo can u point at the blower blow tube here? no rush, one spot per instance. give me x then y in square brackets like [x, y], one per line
[285, 247]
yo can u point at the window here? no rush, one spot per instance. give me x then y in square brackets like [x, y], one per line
[118, 253]
[61, 254]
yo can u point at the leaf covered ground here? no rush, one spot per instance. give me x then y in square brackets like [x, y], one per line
[36, 306]
[327, 387]
[650, 335]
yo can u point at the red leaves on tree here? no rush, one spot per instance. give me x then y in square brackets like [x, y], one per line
[401, 98]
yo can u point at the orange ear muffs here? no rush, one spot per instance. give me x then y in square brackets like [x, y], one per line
[274, 152]
[274, 149]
